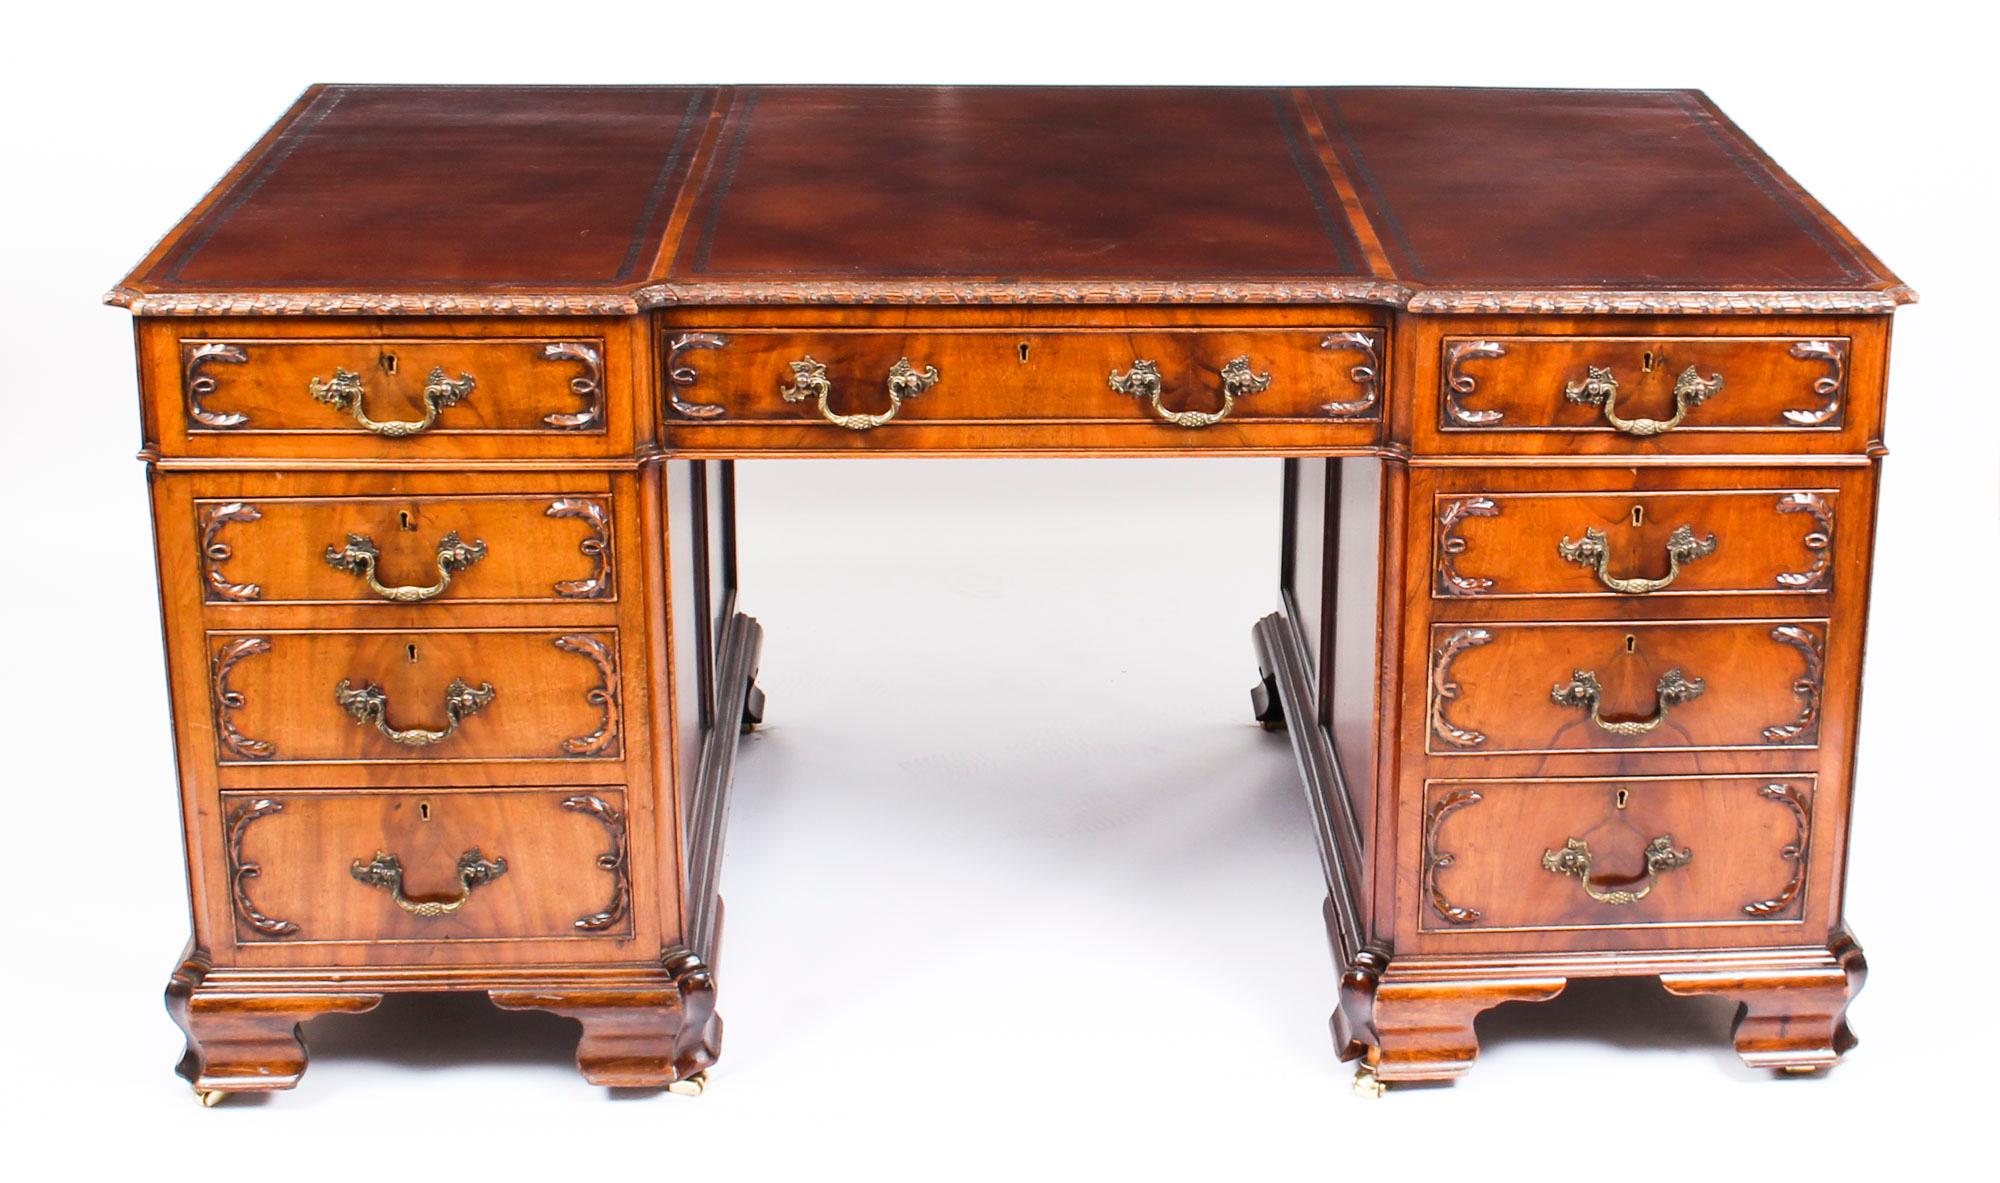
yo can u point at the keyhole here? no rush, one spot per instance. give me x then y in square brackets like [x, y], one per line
[424, 807]
[1624, 798]
[1631, 645]
[1024, 353]
[411, 649]
[1646, 361]
[410, 523]
[1638, 515]
[388, 363]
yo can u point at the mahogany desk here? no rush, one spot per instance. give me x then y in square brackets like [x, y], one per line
[1579, 401]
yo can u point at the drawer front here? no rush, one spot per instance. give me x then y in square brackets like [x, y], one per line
[1177, 381]
[1568, 854]
[1640, 393]
[407, 550]
[387, 395]
[1496, 545]
[444, 865]
[1658, 686]
[416, 695]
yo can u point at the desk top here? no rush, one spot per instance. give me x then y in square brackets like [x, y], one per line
[601, 199]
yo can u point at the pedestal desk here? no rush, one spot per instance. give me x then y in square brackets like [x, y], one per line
[1579, 402]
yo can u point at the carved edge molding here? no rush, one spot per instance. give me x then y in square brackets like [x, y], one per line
[681, 377]
[1367, 374]
[215, 552]
[1812, 649]
[588, 386]
[241, 872]
[1818, 541]
[1443, 690]
[201, 385]
[1828, 387]
[1458, 384]
[604, 695]
[1794, 799]
[613, 860]
[596, 546]
[1450, 545]
[1436, 860]
[234, 742]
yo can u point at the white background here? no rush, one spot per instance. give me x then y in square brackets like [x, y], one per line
[1014, 885]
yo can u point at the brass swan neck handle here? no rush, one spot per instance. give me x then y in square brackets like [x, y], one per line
[361, 554]
[370, 706]
[1600, 389]
[385, 871]
[1584, 692]
[344, 393]
[1593, 552]
[1574, 859]
[809, 381]
[1143, 381]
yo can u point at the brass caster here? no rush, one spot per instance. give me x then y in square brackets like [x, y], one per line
[209, 1098]
[693, 1086]
[1802, 1069]
[1366, 1084]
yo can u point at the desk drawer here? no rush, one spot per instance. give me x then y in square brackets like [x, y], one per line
[1176, 383]
[1569, 854]
[1657, 686]
[425, 695]
[443, 865]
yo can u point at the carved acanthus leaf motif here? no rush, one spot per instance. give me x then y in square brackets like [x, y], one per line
[588, 386]
[1444, 690]
[604, 695]
[1794, 799]
[612, 860]
[1808, 687]
[1450, 545]
[596, 546]
[234, 742]
[1458, 383]
[215, 552]
[680, 377]
[1436, 860]
[1828, 387]
[201, 385]
[1819, 541]
[241, 872]
[1367, 374]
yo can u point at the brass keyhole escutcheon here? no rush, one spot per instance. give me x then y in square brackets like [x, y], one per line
[1624, 798]
[404, 519]
[1646, 362]
[411, 649]
[1631, 643]
[1638, 516]
[388, 363]
[424, 808]
[1024, 353]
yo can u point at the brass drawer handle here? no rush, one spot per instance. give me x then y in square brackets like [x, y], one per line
[369, 705]
[1682, 548]
[1143, 381]
[344, 394]
[386, 872]
[1600, 389]
[1585, 693]
[360, 555]
[1574, 859]
[809, 381]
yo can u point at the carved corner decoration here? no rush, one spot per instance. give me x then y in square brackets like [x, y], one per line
[1829, 387]
[241, 871]
[613, 860]
[234, 742]
[1367, 374]
[215, 552]
[1800, 805]
[680, 377]
[588, 386]
[1436, 860]
[1450, 545]
[1444, 690]
[596, 546]
[604, 696]
[1812, 649]
[1458, 384]
[1819, 542]
[201, 385]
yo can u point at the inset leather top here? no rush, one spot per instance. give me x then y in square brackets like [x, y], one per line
[440, 199]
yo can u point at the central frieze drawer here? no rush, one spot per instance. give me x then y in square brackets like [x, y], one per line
[419, 694]
[1661, 686]
[461, 864]
[1175, 380]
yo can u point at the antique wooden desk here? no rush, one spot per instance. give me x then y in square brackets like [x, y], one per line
[1579, 401]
